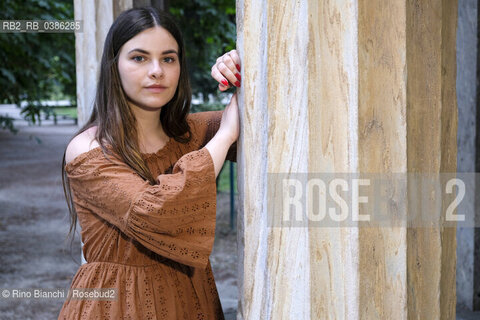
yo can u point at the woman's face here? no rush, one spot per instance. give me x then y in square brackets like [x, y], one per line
[149, 68]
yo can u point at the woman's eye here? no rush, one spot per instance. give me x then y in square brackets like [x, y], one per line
[138, 58]
[169, 60]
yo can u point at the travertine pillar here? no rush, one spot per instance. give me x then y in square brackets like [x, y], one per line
[97, 16]
[347, 86]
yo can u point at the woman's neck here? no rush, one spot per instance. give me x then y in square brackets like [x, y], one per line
[151, 135]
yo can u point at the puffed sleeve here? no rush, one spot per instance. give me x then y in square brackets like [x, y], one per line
[174, 218]
[206, 124]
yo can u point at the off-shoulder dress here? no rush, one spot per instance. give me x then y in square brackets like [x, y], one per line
[150, 242]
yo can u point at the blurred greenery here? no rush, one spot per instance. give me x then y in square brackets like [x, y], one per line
[209, 30]
[36, 66]
[224, 178]
[41, 66]
[6, 122]
[207, 107]
[66, 111]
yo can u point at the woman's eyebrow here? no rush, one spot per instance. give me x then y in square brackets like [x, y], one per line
[146, 52]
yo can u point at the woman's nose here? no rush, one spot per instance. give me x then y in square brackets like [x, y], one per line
[156, 70]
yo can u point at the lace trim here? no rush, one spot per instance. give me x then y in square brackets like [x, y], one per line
[162, 152]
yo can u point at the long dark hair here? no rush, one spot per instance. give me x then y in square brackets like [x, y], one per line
[116, 123]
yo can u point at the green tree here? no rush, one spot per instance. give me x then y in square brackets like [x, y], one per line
[36, 66]
[209, 30]
[41, 66]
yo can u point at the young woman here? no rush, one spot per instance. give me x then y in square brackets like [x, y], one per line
[140, 177]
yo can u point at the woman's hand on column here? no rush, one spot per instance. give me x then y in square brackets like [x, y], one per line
[227, 71]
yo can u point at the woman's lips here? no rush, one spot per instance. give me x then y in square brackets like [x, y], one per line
[156, 89]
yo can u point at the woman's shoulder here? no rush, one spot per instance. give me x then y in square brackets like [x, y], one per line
[81, 143]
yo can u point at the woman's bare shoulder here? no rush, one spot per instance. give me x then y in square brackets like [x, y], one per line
[81, 143]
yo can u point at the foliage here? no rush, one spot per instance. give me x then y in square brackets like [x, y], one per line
[209, 31]
[224, 178]
[36, 66]
[41, 66]
[6, 122]
[69, 112]
[206, 107]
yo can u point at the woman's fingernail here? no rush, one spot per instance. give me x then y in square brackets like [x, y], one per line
[237, 84]
[239, 77]
[238, 67]
[225, 82]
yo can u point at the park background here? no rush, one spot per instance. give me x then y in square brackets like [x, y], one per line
[38, 70]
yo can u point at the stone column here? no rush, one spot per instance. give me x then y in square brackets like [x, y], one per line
[97, 17]
[347, 86]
